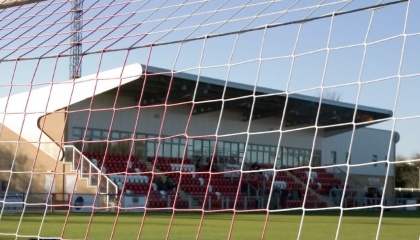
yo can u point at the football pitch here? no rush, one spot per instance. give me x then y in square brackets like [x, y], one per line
[315, 225]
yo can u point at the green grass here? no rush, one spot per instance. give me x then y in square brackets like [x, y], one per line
[316, 225]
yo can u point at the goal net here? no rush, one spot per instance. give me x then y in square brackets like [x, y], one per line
[202, 119]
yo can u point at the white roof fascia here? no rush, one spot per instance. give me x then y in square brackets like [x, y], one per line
[21, 112]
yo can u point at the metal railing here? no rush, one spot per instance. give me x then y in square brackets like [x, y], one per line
[352, 183]
[86, 169]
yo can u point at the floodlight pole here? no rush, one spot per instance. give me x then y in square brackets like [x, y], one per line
[76, 39]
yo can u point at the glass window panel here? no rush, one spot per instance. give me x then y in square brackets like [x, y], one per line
[88, 134]
[181, 151]
[234, 147]
[77, 132]
[127, 146]
[140, 144]
[260, 157]
[167, 150]
[141, 136]
[125, 135]
[160, 151]
[241, 147]
[220, 149]
[197, 144]
[306, 159]
[279, 162]
[334, 157]
[284, 156]
[206, 148]
[375, 159]
[190, 151]
[198, 147]
[175, 150]
[296, 161]
[290, 158]
[115, 135]
[253, 156]
[151, 148]
[212, 144]
[104, 134]
[266, 158]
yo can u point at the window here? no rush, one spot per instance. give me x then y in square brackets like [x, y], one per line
[227, 149]
[140, 136]
[96, 134]
[151, 148]
[198, 151]
[375, 159]
[175, 150]
[190, 148]
[348, 158]
[77, 133]
[88, 134]
[147, 146]
[316, 159]
[334, 157]
[260, 157]
[165, 149]
[267, 158]
[207, 151]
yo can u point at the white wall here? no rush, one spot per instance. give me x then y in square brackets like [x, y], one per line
[366, 143]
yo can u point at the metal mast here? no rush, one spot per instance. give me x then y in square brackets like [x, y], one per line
[75, 40]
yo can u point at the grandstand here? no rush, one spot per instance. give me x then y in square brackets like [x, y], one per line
[188, 149]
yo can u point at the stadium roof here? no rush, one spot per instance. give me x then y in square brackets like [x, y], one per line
[152, 85]
[299, 110]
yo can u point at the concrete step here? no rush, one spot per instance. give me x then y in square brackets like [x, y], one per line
[303, 184]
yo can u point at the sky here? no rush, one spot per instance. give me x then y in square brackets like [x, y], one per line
[366, 57]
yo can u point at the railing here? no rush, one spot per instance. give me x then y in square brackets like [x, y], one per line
[86, 169]
[226, 202]
[232, 170]
[355, 185]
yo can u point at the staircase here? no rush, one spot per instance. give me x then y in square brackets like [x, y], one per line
[311, 191]
[89, 172]
[181, 193]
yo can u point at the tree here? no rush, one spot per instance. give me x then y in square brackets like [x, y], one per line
[407, 173]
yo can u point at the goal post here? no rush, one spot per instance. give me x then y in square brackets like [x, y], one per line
[209, 119]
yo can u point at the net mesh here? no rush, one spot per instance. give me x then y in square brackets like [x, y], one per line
[261, 119]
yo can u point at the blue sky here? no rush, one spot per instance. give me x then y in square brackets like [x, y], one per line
[356, 55]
